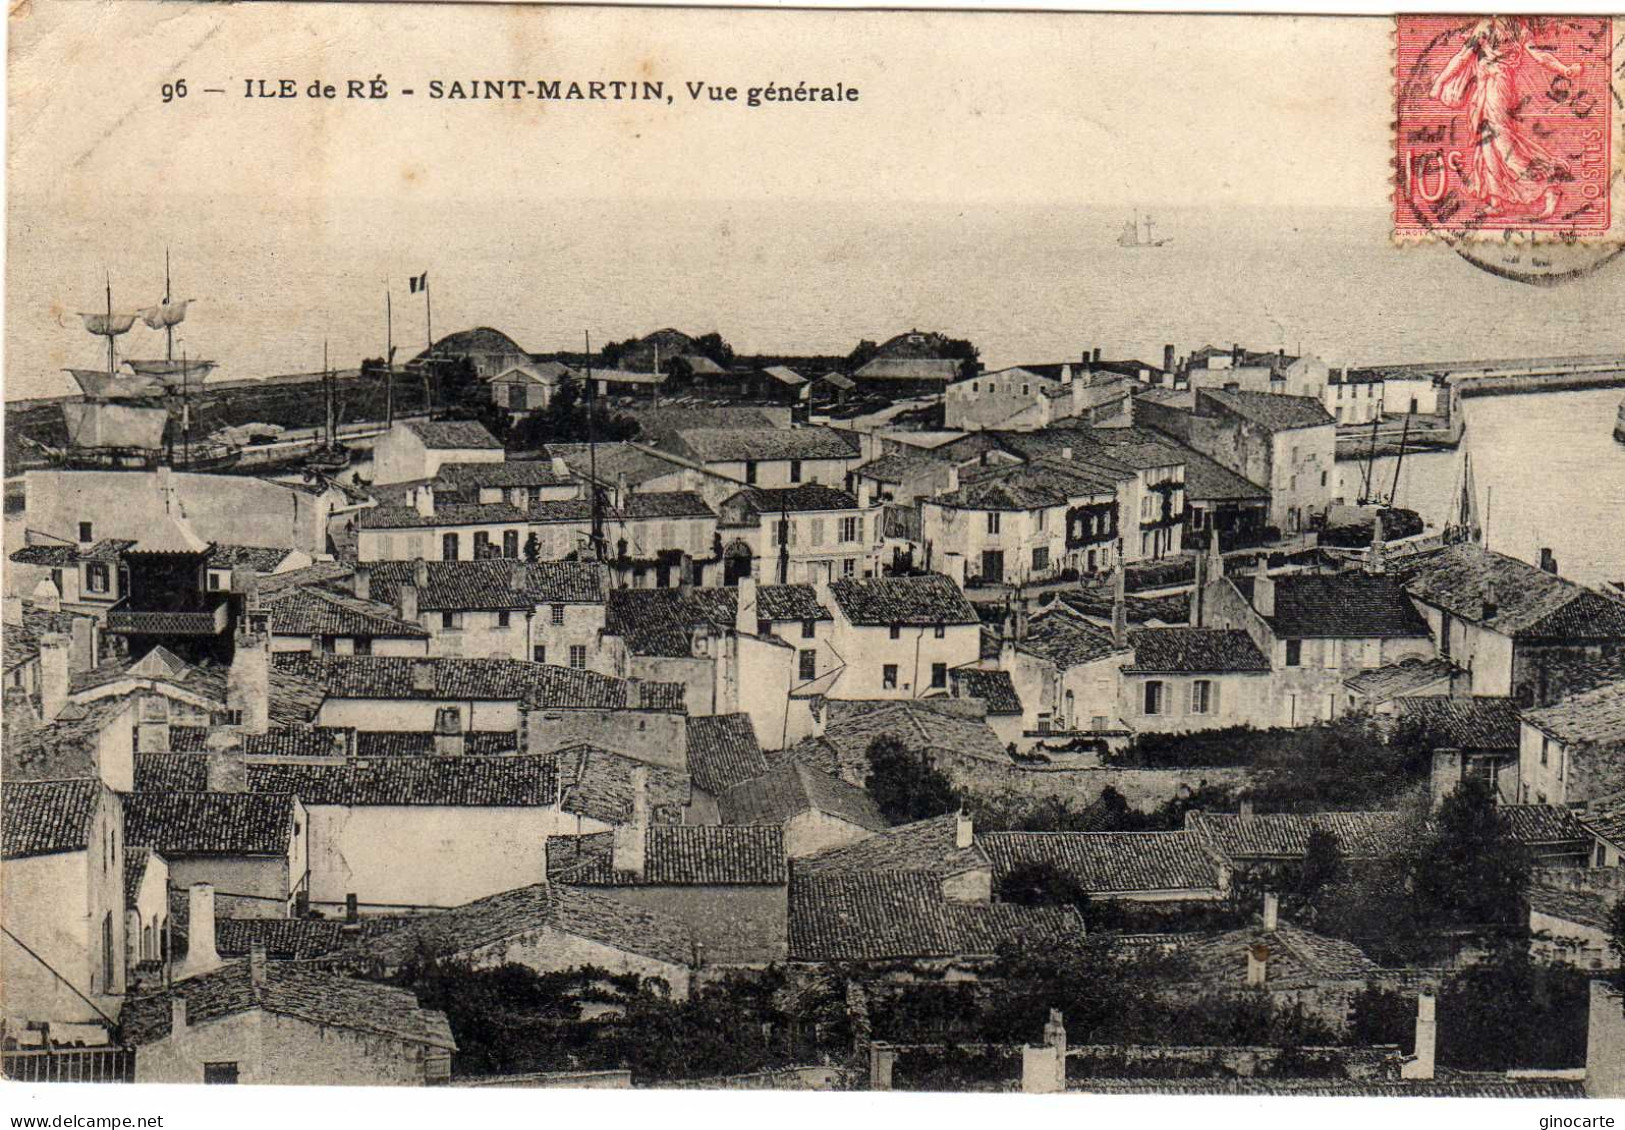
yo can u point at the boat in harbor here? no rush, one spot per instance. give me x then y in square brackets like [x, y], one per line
[1619, 423]
[330, 454]
[1137, 233]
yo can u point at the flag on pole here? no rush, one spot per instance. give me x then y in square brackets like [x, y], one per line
[418, 282]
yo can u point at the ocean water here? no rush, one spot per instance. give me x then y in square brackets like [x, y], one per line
[1025, 284]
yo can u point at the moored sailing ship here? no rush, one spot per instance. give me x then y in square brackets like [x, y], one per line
[1137, 233]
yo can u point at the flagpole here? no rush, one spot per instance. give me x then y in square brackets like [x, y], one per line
[428, 315]
[592, 456]
[389, 357]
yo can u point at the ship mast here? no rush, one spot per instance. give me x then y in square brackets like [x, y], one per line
[389, 358]
[592, 455]
[169, 327]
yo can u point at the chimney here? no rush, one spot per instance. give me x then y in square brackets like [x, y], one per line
[964, 831]
[1420, 1064]
[953, 480]
[1491, 601]
[1376, 558]
[14, 610]
[821, 591]
[864, 494]
[1193, 615]
[623, 490]
[627, 850]
[1263, 590]
[248, 680]
[226, 771]
[423, 681]
[1097, 355]
[423, 500]
[316, 645]
[1168, 358]
[1272, 911]
[352, 909]
[420, 573]
[256, 962]
[55, 664]
[82, 655]
[1548, 560]
[745, 610]
[1120, 603]
[201, 956]
[1066, 370]
[1018, 619]
[177, 1015]
[406, 602]
[561, 469]
[520, 581]
[1235, 353]
[1066, 453]
[448, 732]
[1258, 965]
[363, 583]
[634, 693]
[1247, 806]
[1055, 1030]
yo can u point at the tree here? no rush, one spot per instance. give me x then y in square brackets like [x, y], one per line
[863, 353]
[1470, 873]
[1039, 883]
[713, 346]
[905, 786]
[1616, 939]
[533, 548]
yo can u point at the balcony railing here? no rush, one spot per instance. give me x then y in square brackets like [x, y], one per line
[69, 1065]
[158, 622]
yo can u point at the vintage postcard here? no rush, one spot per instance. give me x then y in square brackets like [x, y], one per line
[574, 547]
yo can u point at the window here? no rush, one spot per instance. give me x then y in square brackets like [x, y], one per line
[849, 567]
[750, 471]
[482, 545]
[764, 627]
[1328, 654]
[363, 645]
[1294, 653]
[815, 531]
[510, 543]
[451, 621]
[107, 952]
[851, 529]
[214, 581]
[539, 653]
[1040, 558]
[503, 620]
[939, 631]
[1202, 696]
[578, 655]
[85, 534]
[1026, 390]
[1043, 516]
[795, 470]
[226, 717]
[448, 547]
[809, 665]
[1545, 747]
[220, 1072]
[98, 578]
[939, 675]
[896, 631]
[1153, 697]
[888, 676]
[557, 613]
[809, 629]
[993, 521]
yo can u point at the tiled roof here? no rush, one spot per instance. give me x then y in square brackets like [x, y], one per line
[1380, 684]
[509, 473]
[289, 989]
[280, 741]
[572, 910]
[172, 772]
[454, 586]
[658, 621]
[909, 369]
[454, 433]
[843, 749]
[901, 466]
[391, 677]
[452, 782]
[723, 751]
[793, 788]
[1339, 606]
[321, 612]
[68, 746]
[1271, 411]
[794, 500]
[996, 688]
[925, 845]
[42, 817]
[1479, 1087]
[450, 514]
[881, 915]
[1537, 825]
[637, 463]
[597, 783]
[260, 558]
[734, 445]
[566, 582]
[420, 743]
[1477, 723]
[789, 602]
[1284, 835]
[1297, 958]
[664, 504]
[676, 855]
[316, 573]
[1526, 602]
[204, 823]
[1172, 610]
[1111, 862]
[136, 860]
[294, 697]
[1591, 716]
[1068, 640]
[1195, 650]
[47, 553]
[19, 643]
[1209, 481]
[1583, 908]
[294, 939]
[1606, 818]
[911, 601]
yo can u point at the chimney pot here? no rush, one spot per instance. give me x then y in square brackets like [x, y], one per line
[201, 955]
[56, 664]
[1247, 807]
[423, 676]
[745, 607]
[423, 500]
[1272, 910]
[256, 962]
[1168, 358]
[1548, 560]
[177, 1014]
[420, 573]
[352, 908]
[964, 831]
[561, 469]
[406, 603]
[1258, 958]
[363, 583]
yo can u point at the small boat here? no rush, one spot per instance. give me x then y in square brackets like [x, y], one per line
[1619, 423]
[1137, 233]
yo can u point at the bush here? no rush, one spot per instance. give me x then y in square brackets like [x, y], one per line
[905, 786]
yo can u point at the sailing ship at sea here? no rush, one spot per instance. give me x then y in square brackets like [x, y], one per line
[137, 413]
[1137, 233]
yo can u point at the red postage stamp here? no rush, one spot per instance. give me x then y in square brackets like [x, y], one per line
[1504, 124]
